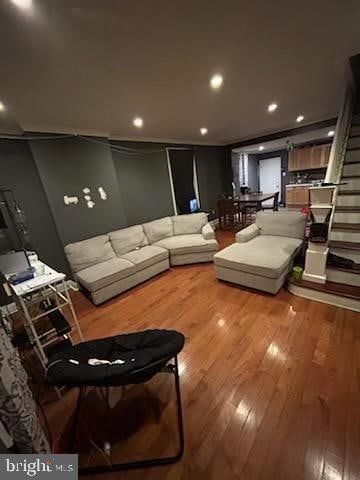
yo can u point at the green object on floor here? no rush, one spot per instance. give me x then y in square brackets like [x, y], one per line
[297, 273]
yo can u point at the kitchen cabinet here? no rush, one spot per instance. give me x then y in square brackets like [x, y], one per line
[290, 197]
[320, 156]
[301, 195]
[309, 158]
[297, 196]
[299, 159]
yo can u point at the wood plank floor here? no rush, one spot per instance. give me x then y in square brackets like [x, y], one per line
[270, 384]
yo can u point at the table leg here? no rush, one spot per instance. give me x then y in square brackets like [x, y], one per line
[41, 354]
[66, 290]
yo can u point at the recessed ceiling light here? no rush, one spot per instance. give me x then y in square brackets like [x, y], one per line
[261, 147]
[203, 130]
[216, 81]
[299, 118]
[2, 107]
[22, 3]
[331, 133]
[138, 122]
[272, 107]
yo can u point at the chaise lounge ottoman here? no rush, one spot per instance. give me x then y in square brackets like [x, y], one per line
[264, 252]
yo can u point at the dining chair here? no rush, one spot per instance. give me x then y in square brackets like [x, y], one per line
[229, 213]
[249, 210]
[275, 206]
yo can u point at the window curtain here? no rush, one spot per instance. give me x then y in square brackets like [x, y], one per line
[19, 423]
[182, 168]
[244, 169]
[195, 182]
[240, 167]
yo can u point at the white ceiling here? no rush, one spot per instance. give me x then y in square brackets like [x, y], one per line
[281, 143]
[91, 66]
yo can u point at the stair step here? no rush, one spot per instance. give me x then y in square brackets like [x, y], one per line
[353, 143]
[343, 275]
[346, 226]
[334, 288]
[346, 217]
[346, 253]
[351, 169]
[351, 183]
[349, 192]
[348, 199]
[354, 131]
[345, 208]
[345, 235]
[352, 155]
[356, 119]
[344, 269]
[350, 177]
[345, 245]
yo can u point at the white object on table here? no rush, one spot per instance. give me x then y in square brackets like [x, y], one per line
[47, 278]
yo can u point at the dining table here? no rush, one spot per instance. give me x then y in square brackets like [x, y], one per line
[231, 208]
[252, 198]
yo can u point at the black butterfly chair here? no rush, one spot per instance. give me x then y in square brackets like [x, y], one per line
[132, 358]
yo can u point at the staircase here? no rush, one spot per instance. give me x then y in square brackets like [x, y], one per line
[345, 231]
[335, 285]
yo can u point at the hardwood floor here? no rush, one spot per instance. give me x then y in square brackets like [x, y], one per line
[270, 384]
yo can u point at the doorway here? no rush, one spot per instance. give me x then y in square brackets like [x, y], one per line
[270, 177]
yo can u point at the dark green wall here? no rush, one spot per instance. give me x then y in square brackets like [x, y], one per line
[143, 178]
[135, 179]
[66, 167]
[19, 173]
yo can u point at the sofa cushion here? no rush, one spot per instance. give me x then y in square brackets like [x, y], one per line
[146, 256]
[105, 273]
[89, 252]
[158, 229]
[182, 244]
[189, 224]
[127, 239]
[207, 232]
[265, 255]
[247, 234]
[283, 224]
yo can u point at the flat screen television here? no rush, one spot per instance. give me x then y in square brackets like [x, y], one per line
[194, 207]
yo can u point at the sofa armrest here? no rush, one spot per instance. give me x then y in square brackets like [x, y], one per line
[208, 232]
[247, 233]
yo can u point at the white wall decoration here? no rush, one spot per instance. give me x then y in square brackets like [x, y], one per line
[102, 193]
[87, 198]
[71, 200]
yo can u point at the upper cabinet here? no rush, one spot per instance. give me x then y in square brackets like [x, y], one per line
[308, 158]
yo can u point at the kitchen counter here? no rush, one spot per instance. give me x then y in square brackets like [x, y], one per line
[299, 185]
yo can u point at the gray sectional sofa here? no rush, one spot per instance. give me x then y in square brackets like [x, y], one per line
[264, 252]
[107, 265]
